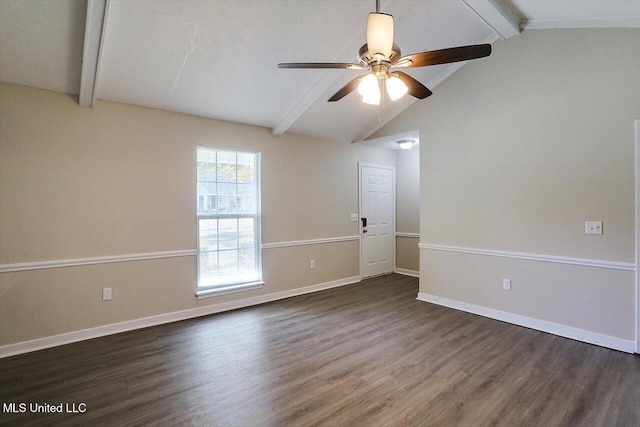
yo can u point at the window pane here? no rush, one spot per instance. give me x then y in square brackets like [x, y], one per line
[226, 166]
[228, 263]
[208, 268]
[246, 198]
[247, 261]
[208, 239]
[227, 198]
[246, 233]
[228, 234]
[206, 164]
[206, 171]
[207, 199]
[246, 167]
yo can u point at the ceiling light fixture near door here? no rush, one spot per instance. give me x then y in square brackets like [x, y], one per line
[380, 54]
[405, 144]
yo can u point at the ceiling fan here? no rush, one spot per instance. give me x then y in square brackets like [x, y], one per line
[380, 54]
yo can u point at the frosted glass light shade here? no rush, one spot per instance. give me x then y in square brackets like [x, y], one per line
[372, 100]
[396, 88]
[380, 34]
[369, 89]
[405, 144]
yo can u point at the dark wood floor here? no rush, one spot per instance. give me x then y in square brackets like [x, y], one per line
[365, 354]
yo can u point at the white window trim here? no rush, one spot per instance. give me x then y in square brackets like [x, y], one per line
[231, 289]
[207, 292]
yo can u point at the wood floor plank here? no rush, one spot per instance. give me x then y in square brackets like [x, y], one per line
[365, 354]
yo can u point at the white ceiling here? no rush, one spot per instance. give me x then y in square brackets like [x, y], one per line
[578, 13]
[41, 43]
[390, 142]
[219, 58]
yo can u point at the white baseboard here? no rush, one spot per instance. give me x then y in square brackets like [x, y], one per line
[100, 331]
[406, 272]
[615, 343]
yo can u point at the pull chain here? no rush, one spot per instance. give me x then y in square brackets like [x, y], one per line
[381, 105]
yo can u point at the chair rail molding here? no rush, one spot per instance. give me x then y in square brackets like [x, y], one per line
[309, 242]
[413, 235]
[72, 262]
[586, 262]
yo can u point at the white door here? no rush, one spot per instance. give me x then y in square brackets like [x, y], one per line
[377, 213]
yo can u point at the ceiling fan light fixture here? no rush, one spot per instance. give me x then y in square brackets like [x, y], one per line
[380, 34]
[405, 144]
[380, 54]
[396, 88]
[371, 100]
[369, 89]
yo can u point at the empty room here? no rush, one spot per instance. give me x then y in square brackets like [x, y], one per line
[319, 212]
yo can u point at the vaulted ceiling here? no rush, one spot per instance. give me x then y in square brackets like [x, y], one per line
[218, 58]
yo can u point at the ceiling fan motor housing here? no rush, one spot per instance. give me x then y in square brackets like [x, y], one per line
[368, 59]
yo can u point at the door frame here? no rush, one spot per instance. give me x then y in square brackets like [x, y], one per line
[393, 198]
[637, 230]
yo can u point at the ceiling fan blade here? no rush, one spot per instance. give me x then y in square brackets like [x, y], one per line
[346, 89]
[416, 89]
[341, 65]
[445, 56]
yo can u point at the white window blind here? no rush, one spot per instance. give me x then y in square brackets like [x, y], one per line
[228, 201]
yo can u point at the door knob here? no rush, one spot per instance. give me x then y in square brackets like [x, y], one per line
[364, 231]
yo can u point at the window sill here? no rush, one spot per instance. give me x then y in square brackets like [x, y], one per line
[231, 289]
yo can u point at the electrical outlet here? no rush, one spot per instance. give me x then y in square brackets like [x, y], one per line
[506, 284]
[354, 217]
[106, 294]
[593, 227]
[312, 263]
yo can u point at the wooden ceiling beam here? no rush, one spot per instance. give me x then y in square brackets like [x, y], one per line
[497, 15]
[95, 26]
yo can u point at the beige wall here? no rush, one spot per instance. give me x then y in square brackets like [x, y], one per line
[517, 151]
[407, 253]
[408, 190]
[78, 182]
[408, 207]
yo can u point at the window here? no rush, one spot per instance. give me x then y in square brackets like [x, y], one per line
[228, 221]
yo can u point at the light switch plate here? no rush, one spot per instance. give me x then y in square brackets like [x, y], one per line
[354, 217]
[506, 284]
[593, 227]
